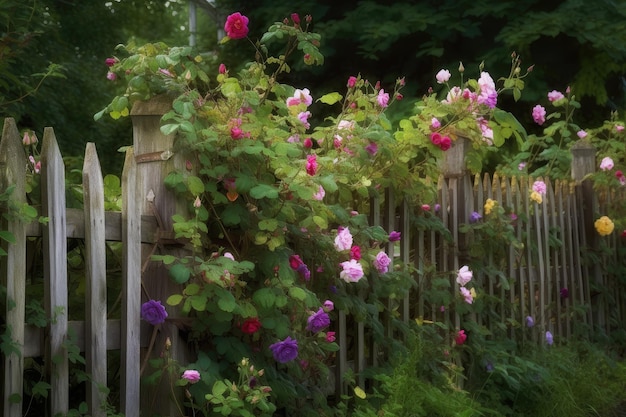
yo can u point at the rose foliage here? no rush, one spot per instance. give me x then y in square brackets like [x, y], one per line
[279, 178]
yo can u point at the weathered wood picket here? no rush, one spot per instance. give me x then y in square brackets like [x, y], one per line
[555, 237]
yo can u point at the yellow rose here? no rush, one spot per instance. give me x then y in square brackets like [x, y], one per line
[536, 197]
[604, 226]
[489, 205]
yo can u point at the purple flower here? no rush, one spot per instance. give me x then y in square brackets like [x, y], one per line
[328, 306]
[530, 322]
[381, 262]
[549, 338]
[564, 293]
[394, 236]
[153, 312]
[318, 320]
[285, 350]
[304, 272]
[474, 217]
[372, 148]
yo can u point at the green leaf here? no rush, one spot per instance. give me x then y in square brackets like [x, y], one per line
[7, 236]
[320, 222]
[297, 293]
[219, 388]
[180, 273]
[166, 259]
[231, 87]
[264, 297]
[41, 388]
[198, 302]
[268, 224]
[263, 191]
[226, 300]
[174, 299]
[191, 289]
[195, 185]
[169, 128]
[330, 98]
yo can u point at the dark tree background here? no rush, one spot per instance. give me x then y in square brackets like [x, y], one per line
[574, 43]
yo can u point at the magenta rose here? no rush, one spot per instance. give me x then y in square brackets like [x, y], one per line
[236, 26]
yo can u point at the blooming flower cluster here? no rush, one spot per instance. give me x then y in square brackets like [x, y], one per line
[538, 190]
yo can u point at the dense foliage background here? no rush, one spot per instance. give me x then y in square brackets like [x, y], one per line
[569, 42]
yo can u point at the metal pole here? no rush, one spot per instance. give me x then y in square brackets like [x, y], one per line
[192, 23]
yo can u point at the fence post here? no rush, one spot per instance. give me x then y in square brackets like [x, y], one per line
[155, 159]
[583, 164]
[13, 267]
[454, 170]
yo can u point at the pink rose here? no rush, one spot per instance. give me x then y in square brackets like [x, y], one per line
[191, 375]
[300, 97]
[539, 114]
[352, 271]
[467, 295]
[443, 76]
[383, 98]
[351, 82]
[319, 195]
[555, 95]
[311, 164]
[343, 241]
[236, 26]
[445, 143]
[606, 164]
[381, 262]
[540, 187]
[464, 275]
[304, 118]
[330, 337]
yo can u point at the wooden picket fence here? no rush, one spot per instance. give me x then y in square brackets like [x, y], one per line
[556, 236]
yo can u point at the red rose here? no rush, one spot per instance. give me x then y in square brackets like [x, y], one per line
[251, 325]
[236, 26]
[461, 337]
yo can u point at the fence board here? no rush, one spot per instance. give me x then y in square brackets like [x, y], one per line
[13, 266]
[55, 269]
[131, 289]
[95, 281]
